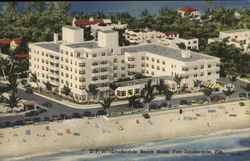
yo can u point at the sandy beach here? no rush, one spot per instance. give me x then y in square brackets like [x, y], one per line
[97, 132]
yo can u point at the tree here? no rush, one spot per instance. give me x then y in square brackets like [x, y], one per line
[197, 83]
[66, 90]
[147, 93]
[39, 6]
[178, 80]
[27, 6]
[133, 101]
[92, 90]
[48, 86]
[160, 86]
[12, 101]
[208, 92]
[182, 46]
[13, 84]
[10, 6]
[168, 95]
[228, 93]
[113, 86]
[63, 7]
[233, 78]
[106, 104]
[246, 89]
[33, 78]
[3, 65]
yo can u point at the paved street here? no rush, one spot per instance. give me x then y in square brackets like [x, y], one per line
[59, 108]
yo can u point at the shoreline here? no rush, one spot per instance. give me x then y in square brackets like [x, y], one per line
[99, 132]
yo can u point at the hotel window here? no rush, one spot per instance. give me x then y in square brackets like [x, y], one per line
[75, 78]
[62, 66]
[184, 69]
[217, 72]
[67, 53]
[94, 63]
[94, 55]
[163, 69]
[158, 68]
[61, 58]
[67, 82]
[67, 60]
[61, 73]
[158, 61]
[70, 76]
[123, 68]
[66, 67]
[82, 87]
[70, 61]
[202, 74]
[115, 75]
[153, 66]
[61, 81]
[185, 77]
[103, 54]
[152, 73]
[61, 51]
[147, 65]
[143, 71]
[123, 61]
[147, 58]
[202, 66]
[195, 75]
[131, 59]
[37, 52]
[78, 54]
[104, 62]
[209, 73]
[42, 53]
[115, 60]
[43, 68]
[47, 62]
[209, 66]
[71, 54]
[115, 67]
[81, 64]
[123, 75]
[143, 58]
[153, 60]
[147, 71]
[163, 62]
[217, 65]
[142, 65]
[195, 68]
[42, 75]
[82, 80]
[94, 79]
[81, 72]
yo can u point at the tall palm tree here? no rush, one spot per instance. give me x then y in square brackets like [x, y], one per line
[160, 86]
[132, 102]
[33, 78]
[197, 83]
[113, 87]
[12, 101]
[12, 83]
[147, 93]
[208, 92]
[92, 90]
[178, 80]
[168, 95]
[3, 65]
[66, 91]
[48, 86]
[228, 93]
[106, 104]
[246, 89]
[233, 78]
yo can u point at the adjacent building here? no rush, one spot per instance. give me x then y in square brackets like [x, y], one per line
[75, 63]
[192, 12]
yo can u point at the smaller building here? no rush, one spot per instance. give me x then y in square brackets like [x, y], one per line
[12, 42]
[192, 12]
[171, 34]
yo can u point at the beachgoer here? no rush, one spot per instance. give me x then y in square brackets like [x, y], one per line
[208, 124]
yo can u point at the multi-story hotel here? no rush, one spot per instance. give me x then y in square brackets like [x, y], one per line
[240, 38]
[77, 64]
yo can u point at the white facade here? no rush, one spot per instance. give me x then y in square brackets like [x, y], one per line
[72, 34]
[194, 13]
[82, 63]
[240, 38]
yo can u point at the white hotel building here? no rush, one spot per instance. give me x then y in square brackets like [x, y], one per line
[77, 64]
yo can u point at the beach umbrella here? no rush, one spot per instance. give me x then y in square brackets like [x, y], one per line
[27, 132]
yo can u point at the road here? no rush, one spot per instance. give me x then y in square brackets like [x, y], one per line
[58, 108]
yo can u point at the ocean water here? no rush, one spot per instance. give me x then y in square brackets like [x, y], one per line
[135, 7]
[231, 145]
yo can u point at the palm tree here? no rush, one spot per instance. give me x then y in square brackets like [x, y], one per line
[208, 92]
[66, 91]
[228, 93]
[178, 80]
[197, 83]
[233, 78]
[92, 90]
[13, 84]
[147, 93]
[246, 89]
[160, 86]
[3, 65]
[168, 95]
[12, 101]
[132, 102]
[113, 86]
[48, 86]
[106, 104]
[33, 78]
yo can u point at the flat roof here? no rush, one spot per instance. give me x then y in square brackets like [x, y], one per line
[49, 45]
[143, 81]
[233, 31]
[90, 45]
[73, 27]
[165, 51]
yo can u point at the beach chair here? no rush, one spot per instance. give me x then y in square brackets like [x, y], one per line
[27, 132]
[232, 115]
[211, 111]
[76, 134]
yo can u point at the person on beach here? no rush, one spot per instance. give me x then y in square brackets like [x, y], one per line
[181, 111]
[208, 124]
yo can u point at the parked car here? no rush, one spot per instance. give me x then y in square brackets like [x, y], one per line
[27, 122]
[138, 105]
[30, 91]
[32, 113]
[87, 113]
[76, 115]
[146, 116]
[46, 118]
[185, 102]
[242, 95]
[197, 101]
[101, 112]
[19, 123]
[187, 91]
[36, 119]
[217, 98]
[41, 109]
[154, 106]
[55, 118]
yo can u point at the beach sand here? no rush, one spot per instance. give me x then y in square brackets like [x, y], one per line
[98, 132]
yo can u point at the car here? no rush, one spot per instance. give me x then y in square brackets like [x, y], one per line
[154, 106]
[41, 109]
[138, 105]
[242, 95]
[28, 122]
[30, 91]
[87, 113]
[205, 100]
[217, 98]
[19, 123]
[36, 119]
[8, 124]
[55, 118]
[101, 112]
[197, 101]
[76, 115]
[187, 91]
[184, 102]
[32, 113]
[63, 116]
[46, 118]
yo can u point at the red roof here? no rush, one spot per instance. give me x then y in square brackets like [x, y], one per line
[5, 41]
[187, 8]
[21, 56]
[134, 35]
[144, 31]
[170, 32]
[17, 40]
[84, 22]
